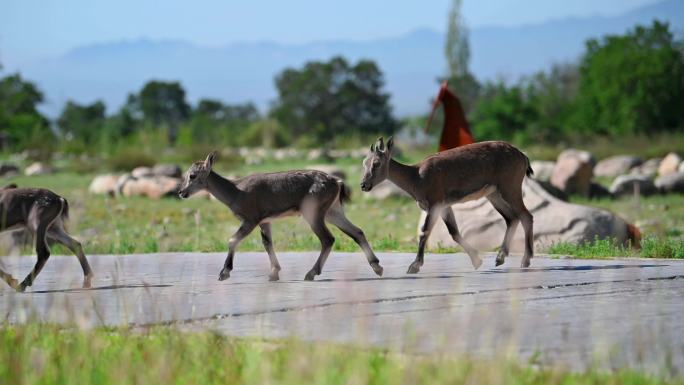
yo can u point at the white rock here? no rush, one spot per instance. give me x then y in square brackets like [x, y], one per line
[554, 221]
[669, 164]
[123, 179]
[314, 154]
[616, 165]
[170, 170]
[648, 168]
[573, 172]
[628, 185]
[7, 169]
[671, 183]
[151, 187]
[104, 184]
[543, 169]
[38, 168]
[142, 172]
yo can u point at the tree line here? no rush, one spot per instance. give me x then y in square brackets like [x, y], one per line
[630, 84]
[623, 85]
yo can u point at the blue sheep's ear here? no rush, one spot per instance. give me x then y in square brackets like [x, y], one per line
[209, 162]
[390, 144]
[380, 145]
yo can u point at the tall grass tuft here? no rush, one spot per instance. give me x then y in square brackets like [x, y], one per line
[598, 248]
[651, 247]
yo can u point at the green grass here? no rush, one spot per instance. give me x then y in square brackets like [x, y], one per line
[138, 224]
[662, 248]
[596, 249]
[46, 354]
[651, 247]
[141, 225]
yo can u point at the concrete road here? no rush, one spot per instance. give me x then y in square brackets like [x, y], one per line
[573, 313]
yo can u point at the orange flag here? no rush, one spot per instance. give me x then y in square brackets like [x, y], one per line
[456, 131]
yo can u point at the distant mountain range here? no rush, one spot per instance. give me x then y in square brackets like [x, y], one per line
[244, 71]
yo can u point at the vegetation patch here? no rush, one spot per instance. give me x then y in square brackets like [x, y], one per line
[47, 354]
[596, 249]
[651, 247]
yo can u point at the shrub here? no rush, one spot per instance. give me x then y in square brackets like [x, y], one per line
[128, 159]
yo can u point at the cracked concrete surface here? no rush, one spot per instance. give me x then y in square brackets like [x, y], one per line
[575, 313]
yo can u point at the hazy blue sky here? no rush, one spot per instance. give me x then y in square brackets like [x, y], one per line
[36, 28]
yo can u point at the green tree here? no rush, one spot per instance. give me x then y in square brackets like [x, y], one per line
[161, 104]
[457, 47]
[214, 121]
[122, 124]
[219, 112]
[20, 121]
[457, 53]
[552, 94]
[84, 123]
[633, 83]
[325, 99]
[503, 112]
[264, 133]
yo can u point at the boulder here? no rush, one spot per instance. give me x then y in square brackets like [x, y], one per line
[38, 168]
[7, 169]
[648, 168]
[153, 187]
[337, 154]
[554, 221]
[253, 160]
[330, 169]
[669, 164]
[104, 184]
[315, 154]
[598, 191]
[616, 165]
[359, 153]
[384, 190]
[671, 183]
[543, 169]
[123, 179]
[286, 153]
[630, 184]
[142, 172]
[573, 172]
[169, 170]
[553, 190]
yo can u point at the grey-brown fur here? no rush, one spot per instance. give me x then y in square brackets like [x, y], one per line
[258, 199]
[492, 169]
[42, 212]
